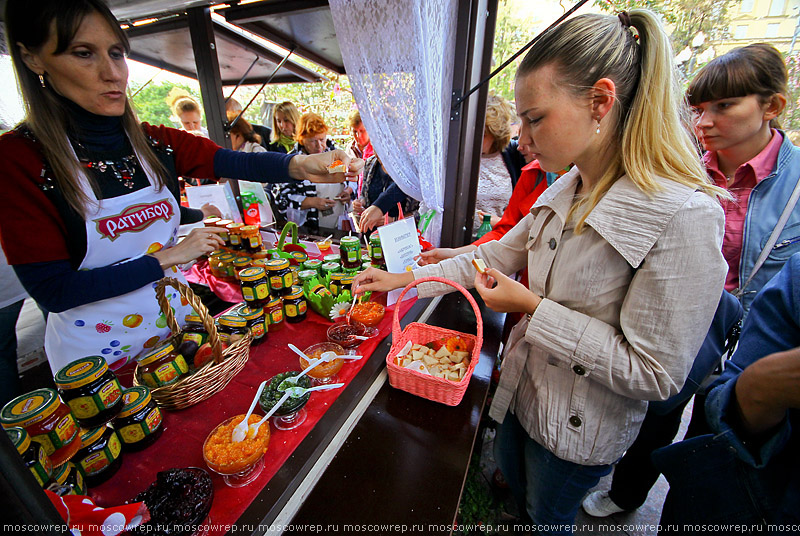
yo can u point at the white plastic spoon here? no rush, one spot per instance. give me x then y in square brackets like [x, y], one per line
[240, 431]
[311, 364]
[300, 391]
[254, 427]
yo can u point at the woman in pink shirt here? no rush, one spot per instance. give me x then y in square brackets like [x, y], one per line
[737, 99]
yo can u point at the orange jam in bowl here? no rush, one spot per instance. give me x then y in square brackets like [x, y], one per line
[323, 370]
[368, 313]
[225, 457]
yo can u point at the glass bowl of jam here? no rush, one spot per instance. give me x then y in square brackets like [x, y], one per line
[238, 463]
[291, 414]
[347, 334]
[368, 313]
[324, 373]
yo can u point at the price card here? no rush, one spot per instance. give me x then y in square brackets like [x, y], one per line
[400, 246]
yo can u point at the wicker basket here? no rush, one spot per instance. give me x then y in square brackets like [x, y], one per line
[437, 389]
[213, 376]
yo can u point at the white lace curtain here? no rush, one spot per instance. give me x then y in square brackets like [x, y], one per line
[399, 58]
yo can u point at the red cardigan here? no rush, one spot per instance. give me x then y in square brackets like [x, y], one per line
[31, 228]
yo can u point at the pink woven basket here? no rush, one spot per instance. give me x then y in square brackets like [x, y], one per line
[437, 389]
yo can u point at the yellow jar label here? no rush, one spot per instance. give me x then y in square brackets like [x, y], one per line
[262, 291]
[276, 316]
[83, 407]
[79, 488]
[276, 282]
[114, 446]
[236, 239]
[334, 289]
[258, 329]
[66, 429]
[153, 420]
[247, 293]
[255, 241]
[303, 307]
[44, 461]
[132, 433]
[288, 280]
[194, 337]
[291, 309]
[110, 393]
[45, 442]
[95, 463]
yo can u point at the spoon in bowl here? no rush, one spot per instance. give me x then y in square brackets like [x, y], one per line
[254, 427]
[329, 356]
[300, 391]
[311, 364]
[240, 431]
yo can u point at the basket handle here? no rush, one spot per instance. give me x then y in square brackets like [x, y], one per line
[286, 228]
[197, 305]
[397, 332]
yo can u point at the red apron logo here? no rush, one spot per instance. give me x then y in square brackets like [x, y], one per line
[134, 219]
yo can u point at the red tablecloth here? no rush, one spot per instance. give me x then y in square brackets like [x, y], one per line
[185, 430]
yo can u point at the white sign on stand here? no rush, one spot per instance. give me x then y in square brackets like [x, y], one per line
[219, 195]
[400, 245]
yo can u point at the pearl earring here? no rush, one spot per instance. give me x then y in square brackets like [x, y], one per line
[597, 131]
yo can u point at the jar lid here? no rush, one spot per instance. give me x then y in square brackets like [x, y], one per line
[216, 253]
[29, 408]
[305, 275]
[242, 261]
[133, 400]
[232, 321]
[61, 472]
[251, 274]
[250, 230]
[333, 257]
[348, 241]
[375, 238]
[331, 267]
[20, 438]
[296, 292]
[250, 314]
[235, 227]
[277, 264]
[224, 223]
[211, 221]
[348, 279]
[337, 276]
[90, 436]
[274, 301]
[260, 263]
[157, 353]
[81, 372]
[227, 257]
[194, 317]
[299, 256]
[312, 264]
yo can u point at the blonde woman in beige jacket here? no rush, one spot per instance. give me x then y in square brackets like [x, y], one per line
[623, 256]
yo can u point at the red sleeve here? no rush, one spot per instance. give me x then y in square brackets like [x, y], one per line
[31, 229]
[522, 199]
[194, 155]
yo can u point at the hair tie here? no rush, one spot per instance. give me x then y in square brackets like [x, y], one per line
[625, 19]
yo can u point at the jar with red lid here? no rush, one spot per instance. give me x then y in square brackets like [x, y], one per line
[47, 420]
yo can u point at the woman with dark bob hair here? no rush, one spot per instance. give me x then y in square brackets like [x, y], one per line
[91, 214]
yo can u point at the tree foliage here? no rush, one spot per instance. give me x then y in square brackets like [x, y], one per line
[791, 118]
[151, 102]
[512, 32]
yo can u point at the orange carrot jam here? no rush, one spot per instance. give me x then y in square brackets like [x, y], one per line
[225, 456]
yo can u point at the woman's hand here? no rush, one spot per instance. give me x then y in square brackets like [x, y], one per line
[504, 295]
[358, 206]
[318, 203]
[435, 256]
[210, 210]
[375, 280]
[494, 219]
[314, 167]
[372, 217]
[200, 241]
[767, 388]
[345, 196]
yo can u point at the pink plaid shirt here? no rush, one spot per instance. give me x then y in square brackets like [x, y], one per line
[746, 177]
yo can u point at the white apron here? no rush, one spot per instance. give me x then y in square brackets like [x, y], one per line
[120, 328]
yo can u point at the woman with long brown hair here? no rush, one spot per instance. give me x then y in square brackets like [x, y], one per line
[91, 216]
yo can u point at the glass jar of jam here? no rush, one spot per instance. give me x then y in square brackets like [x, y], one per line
[255, 288]
[273, 313]
[235, 235]
[91, 390]
[350, 251]
[251, 239]
[226, 267]
[375, 250]
[241, 263]
[256, 321]
[194, 330]
[223, 224]
[232, 328]
[69, 479]
[162, 366]
[33, 455]
[346, 284]
[214, 264]
[298, 257]
[295, 305]
[333, 257]
[280, 277]
[306, 275]
[47, 420]
[335, 285]
[330, 267]
[100, 455]
[139, 423]
[312, 264]
[320, 290]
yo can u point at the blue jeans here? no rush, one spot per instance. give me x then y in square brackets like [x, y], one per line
[9, 377]
[545, 487]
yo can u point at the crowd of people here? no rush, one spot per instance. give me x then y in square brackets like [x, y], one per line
[633, 226]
